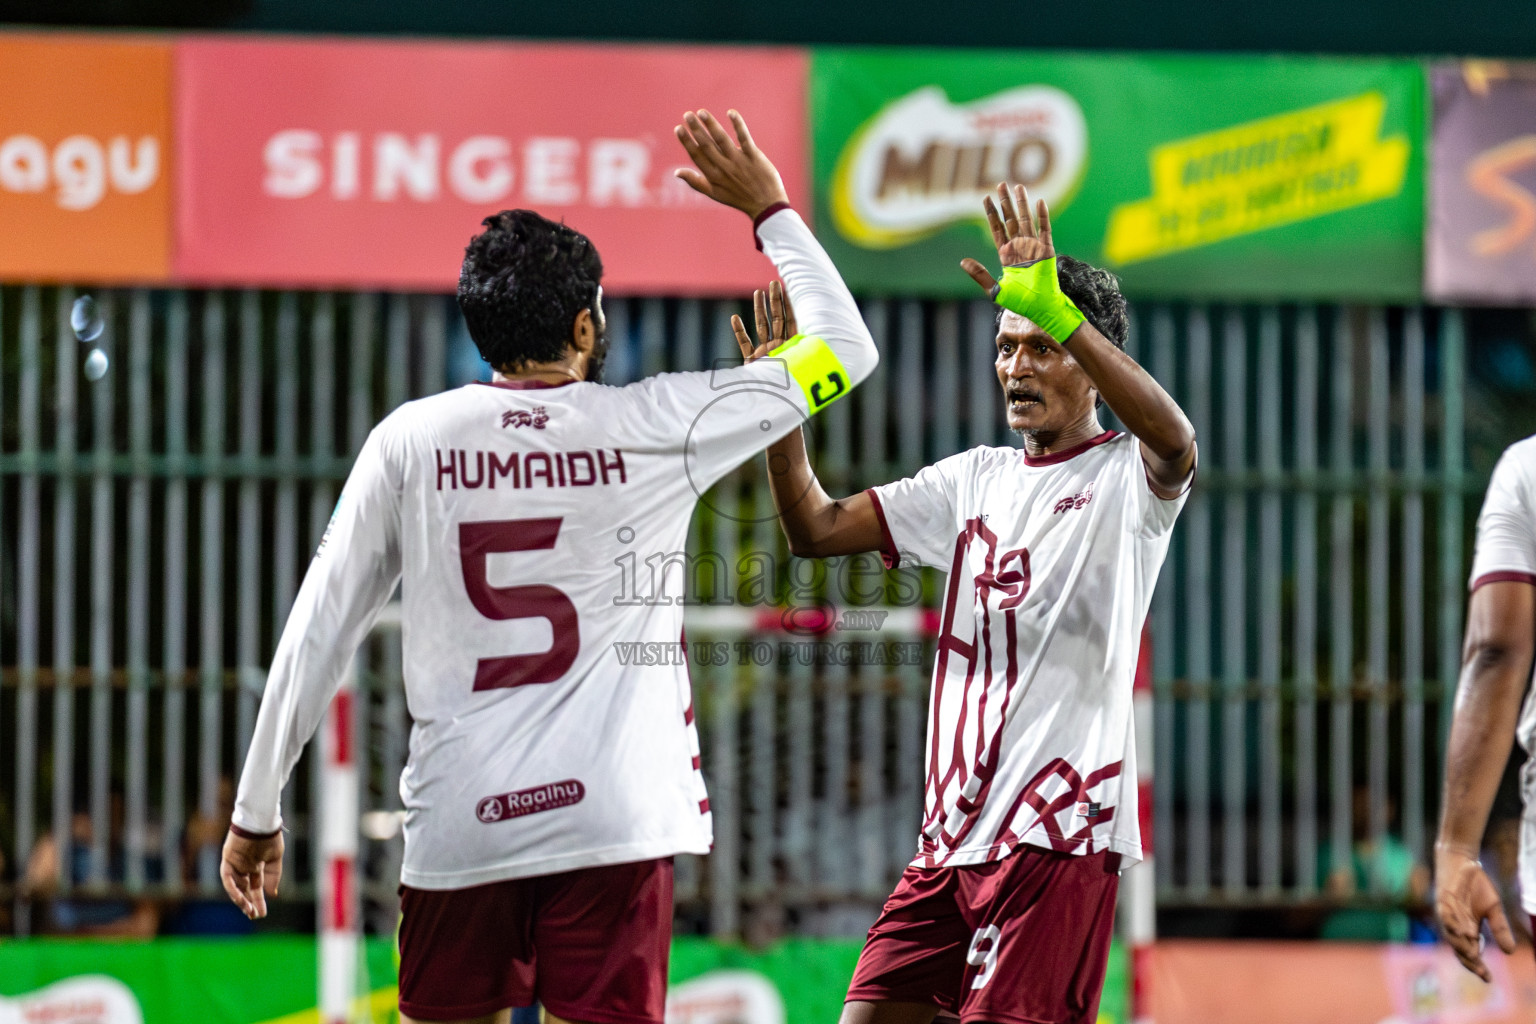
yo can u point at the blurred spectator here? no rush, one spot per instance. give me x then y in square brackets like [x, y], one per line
[1381, 868]
[82, 913]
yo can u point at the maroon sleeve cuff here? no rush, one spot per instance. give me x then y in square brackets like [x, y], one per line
[1503, 577]
[757, 221]
[888, 553]
[245, 833]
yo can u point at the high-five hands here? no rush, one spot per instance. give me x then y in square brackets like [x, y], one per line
[775, 322]
[733, 172]
[1018, 240]
[1464, 897]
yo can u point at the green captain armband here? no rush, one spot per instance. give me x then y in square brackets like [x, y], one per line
[1033, 291]
[816, 368]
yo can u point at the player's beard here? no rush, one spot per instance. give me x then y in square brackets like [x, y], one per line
[598, 357]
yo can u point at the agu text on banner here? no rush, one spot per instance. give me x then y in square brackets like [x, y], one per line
[371, 163]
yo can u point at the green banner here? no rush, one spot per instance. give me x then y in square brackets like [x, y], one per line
[1224, 177]
[272, 981]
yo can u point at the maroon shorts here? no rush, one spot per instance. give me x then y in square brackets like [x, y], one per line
[589, 945]
[1023, 940]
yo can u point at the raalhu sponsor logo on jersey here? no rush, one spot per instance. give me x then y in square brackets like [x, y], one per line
[530, 801]
[536, 418]
[923, 162]
[1073, 501]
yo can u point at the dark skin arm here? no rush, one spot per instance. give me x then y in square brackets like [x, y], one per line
[816, 524]
[1495, 672]
[1148, 412]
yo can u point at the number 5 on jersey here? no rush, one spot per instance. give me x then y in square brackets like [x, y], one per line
[528, 601]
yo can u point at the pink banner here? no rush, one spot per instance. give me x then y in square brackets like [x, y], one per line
[370, 164]
[1205, 982]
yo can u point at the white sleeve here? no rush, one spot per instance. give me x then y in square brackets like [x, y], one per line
[722, 417]
[351, 577]
[1157, 514]
[918, 522]
[1506, 527]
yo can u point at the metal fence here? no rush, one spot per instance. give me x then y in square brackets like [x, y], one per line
[154, 527]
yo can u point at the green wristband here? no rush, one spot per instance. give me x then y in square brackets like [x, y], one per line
[1033, 291]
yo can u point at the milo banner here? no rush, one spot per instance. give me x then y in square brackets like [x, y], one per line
[1262, 177]
[272, 981]
[1480, 244]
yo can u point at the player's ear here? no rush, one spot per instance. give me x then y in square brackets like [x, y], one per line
[584, 333]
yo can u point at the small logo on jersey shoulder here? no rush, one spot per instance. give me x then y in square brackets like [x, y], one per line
[330, 525]
[535, 418]
[1077, 500]
[530, 801]
[1089, 810]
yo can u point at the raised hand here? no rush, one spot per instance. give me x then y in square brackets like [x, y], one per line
[729, 171]
[775, 322]
[1018, 240]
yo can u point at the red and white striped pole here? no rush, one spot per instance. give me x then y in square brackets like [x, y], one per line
[1140, 905]
[338, 825]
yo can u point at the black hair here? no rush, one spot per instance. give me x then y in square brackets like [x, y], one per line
[1096, 293]
[524, 281]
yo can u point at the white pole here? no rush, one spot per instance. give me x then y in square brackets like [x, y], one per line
[338, 907]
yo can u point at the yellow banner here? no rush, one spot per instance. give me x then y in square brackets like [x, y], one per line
[1278, 170]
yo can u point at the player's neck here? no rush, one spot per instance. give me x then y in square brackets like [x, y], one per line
[561, 371]
[1039, 443]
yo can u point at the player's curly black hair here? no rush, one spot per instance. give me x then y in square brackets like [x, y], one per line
[524, 281]
[1096, 293]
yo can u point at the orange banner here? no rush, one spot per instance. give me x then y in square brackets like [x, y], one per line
[85, 133]
[1199, 982]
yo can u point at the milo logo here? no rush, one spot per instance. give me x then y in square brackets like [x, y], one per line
[923, 162]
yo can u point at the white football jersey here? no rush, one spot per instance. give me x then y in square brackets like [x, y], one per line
[1506, 551]
[552, 718]
[1051, 565]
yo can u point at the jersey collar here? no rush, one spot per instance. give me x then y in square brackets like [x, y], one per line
[1069, 453]
[523, 385]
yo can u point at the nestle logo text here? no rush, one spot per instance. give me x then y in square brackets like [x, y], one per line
[530, 801]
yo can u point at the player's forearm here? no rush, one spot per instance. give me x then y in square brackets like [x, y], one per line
[823, 305]
[798, 496]
[346, 587]
[1131, 393]
[1492, 687]
[1495, 672]
[816, 524]
[299, 687]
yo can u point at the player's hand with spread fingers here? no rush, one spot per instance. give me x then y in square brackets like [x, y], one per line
[1030, 286]
[1464, 898]
[250, 870]
[1013, 231]
[729, 171]
[775, 323]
